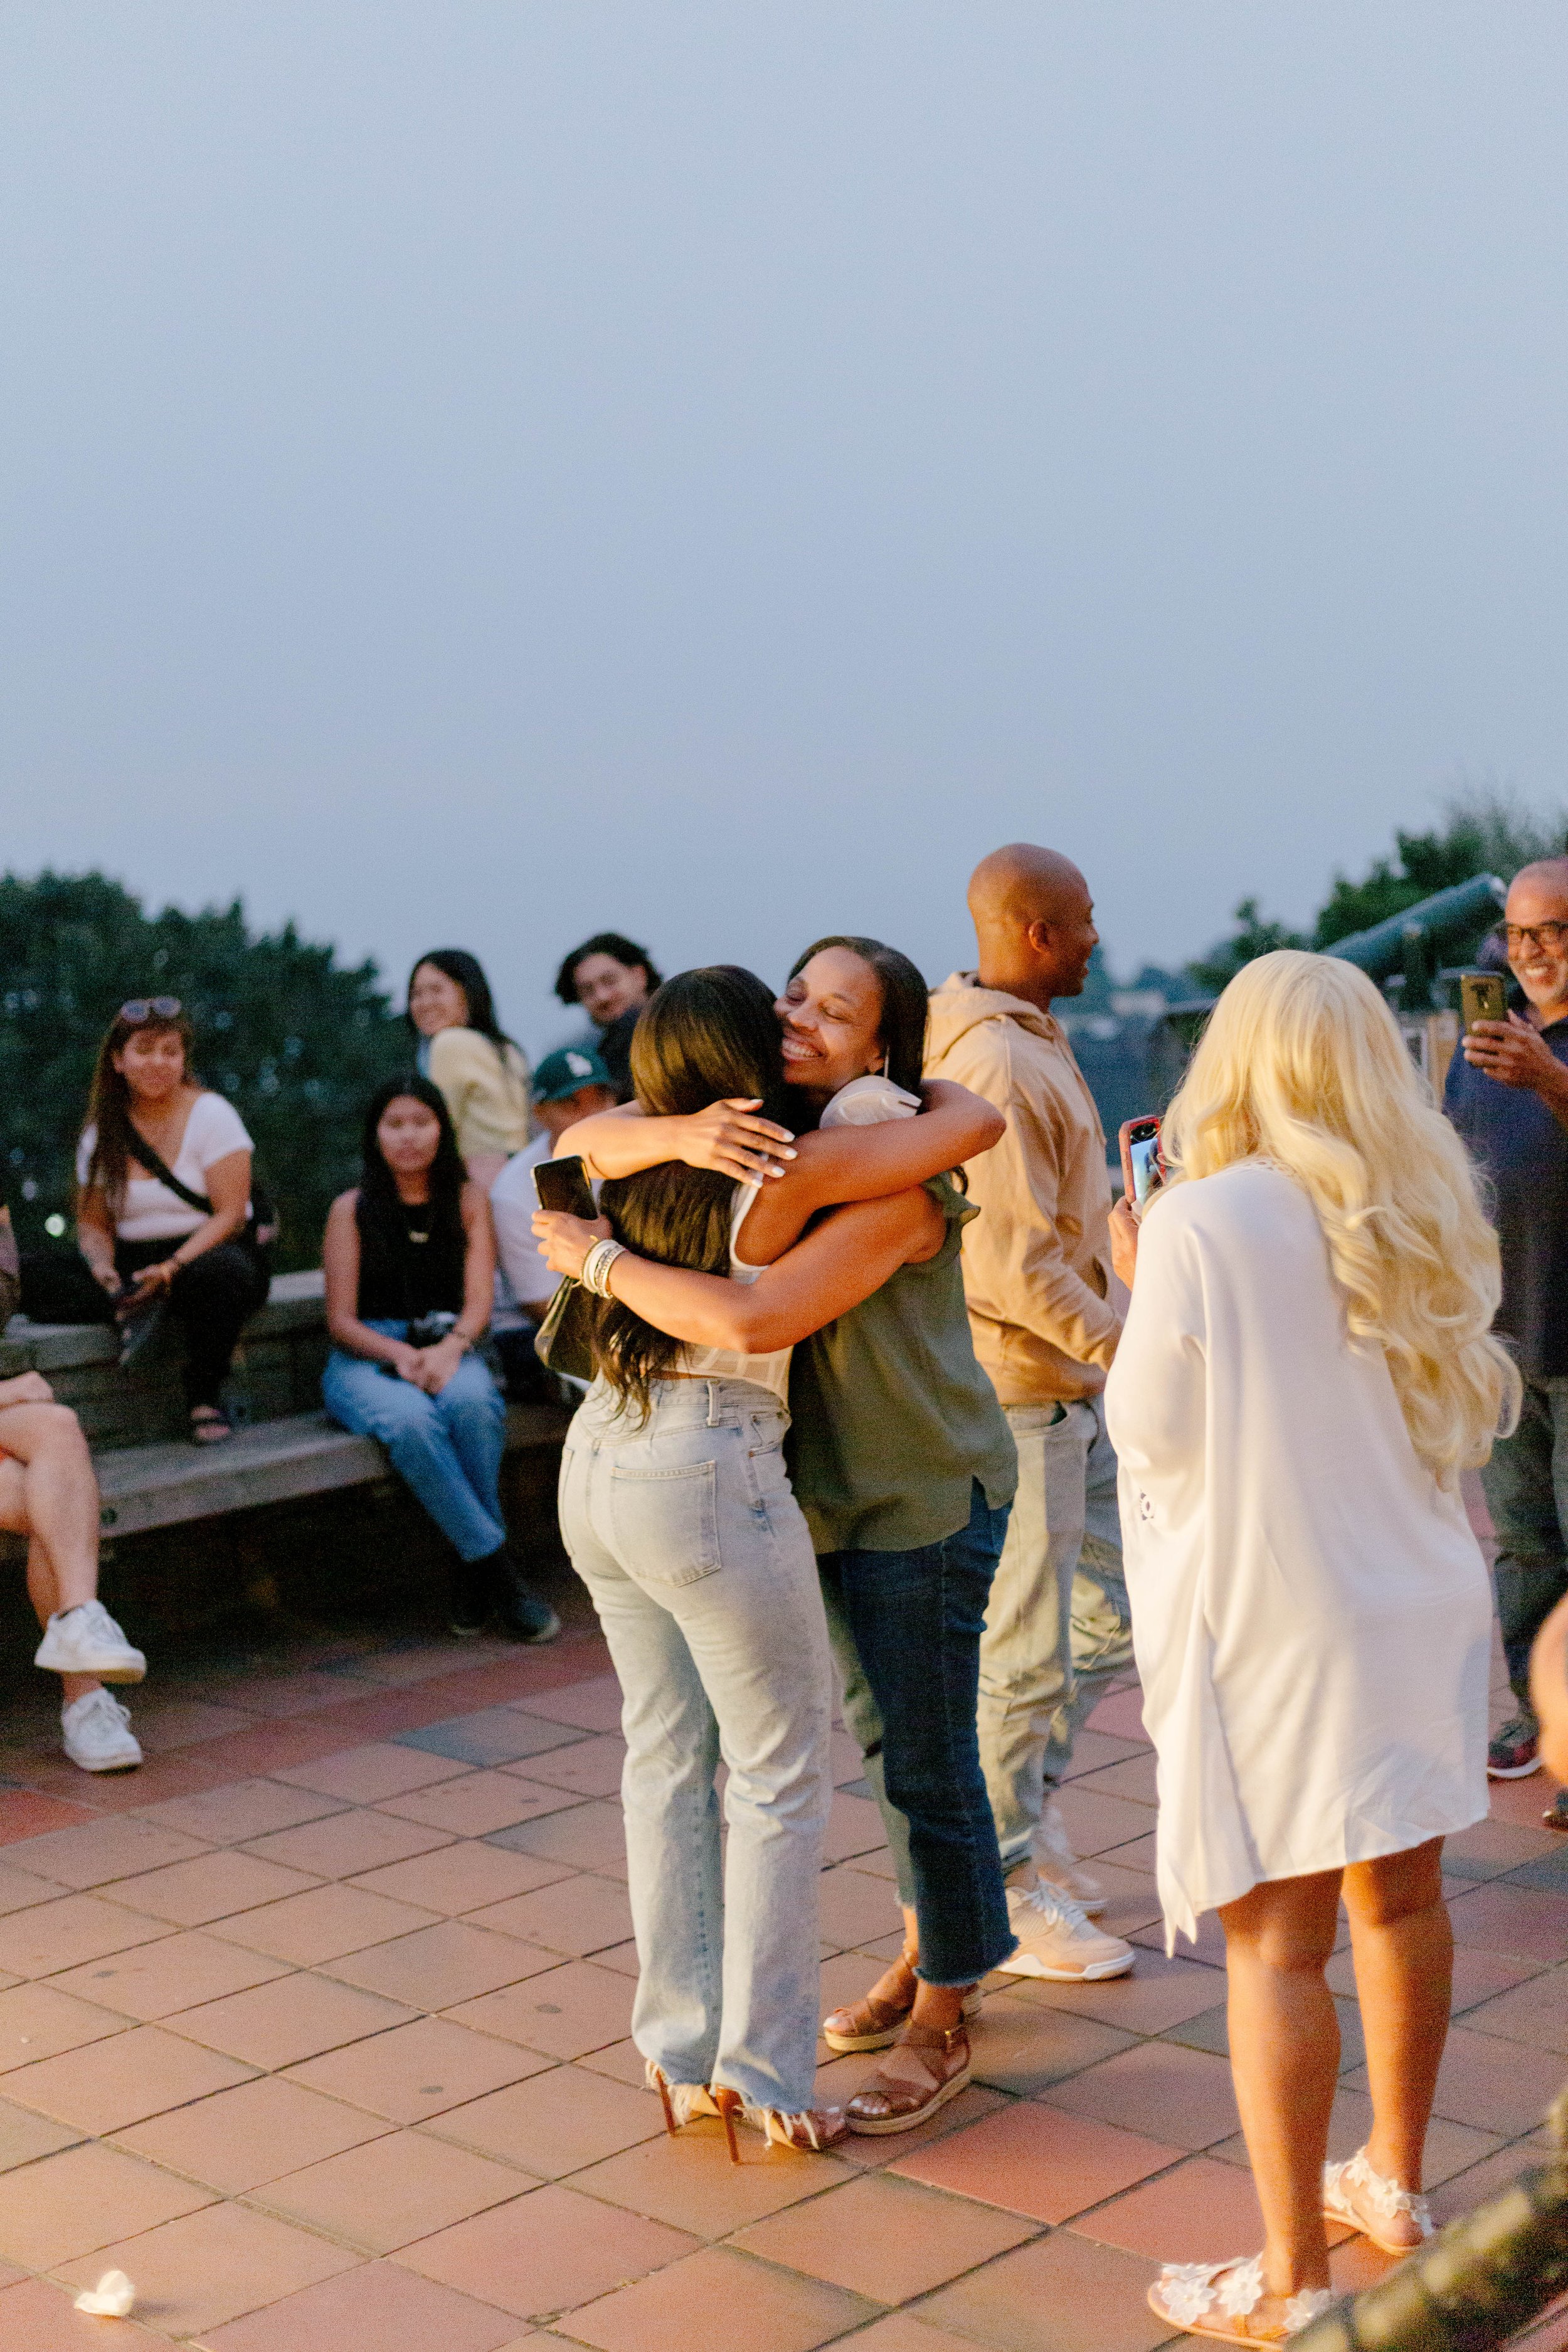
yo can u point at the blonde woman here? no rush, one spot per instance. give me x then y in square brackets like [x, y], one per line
[1305, 1371]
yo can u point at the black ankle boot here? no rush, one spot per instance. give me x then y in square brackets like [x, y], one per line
[468, 1598]
[519, 1610]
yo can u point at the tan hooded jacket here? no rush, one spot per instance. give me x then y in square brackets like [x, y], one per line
[1037, 1261]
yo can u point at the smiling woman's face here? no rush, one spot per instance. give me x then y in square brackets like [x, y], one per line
[831, 1013]
[435, 1001]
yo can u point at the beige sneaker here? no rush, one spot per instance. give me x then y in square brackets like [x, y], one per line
[1056, 1940]
[1056, 1862]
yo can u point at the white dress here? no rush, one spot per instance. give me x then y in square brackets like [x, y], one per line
[1311, 1614]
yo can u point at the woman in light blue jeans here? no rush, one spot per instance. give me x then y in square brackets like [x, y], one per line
[677, 1513]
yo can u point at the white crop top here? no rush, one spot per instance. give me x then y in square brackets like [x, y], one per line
[770, 1373]
[150, 1212]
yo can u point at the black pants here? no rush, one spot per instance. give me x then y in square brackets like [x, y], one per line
[210, 1300]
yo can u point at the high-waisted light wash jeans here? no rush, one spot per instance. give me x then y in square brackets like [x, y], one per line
[449, 1447]
[694, 1549]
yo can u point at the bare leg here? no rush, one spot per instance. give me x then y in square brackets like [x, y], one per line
[1404, 1948]
[1284, 2059]
[58, 1503]
[18, 1481]
[938, 2005]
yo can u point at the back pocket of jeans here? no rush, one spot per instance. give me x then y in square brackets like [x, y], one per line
[666, 1522]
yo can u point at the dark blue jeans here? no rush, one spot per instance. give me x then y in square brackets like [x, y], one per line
[1526, 1487]
[906, 1627]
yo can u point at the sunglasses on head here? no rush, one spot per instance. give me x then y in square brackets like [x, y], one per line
[137, 1009]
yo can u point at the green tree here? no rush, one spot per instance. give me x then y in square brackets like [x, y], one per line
[1254, 935]
[1483, 832]
[294, 1041]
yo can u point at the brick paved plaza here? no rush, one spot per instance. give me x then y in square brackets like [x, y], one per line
[317, 2028]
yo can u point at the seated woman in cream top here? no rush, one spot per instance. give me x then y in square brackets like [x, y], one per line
[481, 1074]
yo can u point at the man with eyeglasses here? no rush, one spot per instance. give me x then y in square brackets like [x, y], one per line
[1508, 1096]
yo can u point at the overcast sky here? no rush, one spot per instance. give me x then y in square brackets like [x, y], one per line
[472, 473]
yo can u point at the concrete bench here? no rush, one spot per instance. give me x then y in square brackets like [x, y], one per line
[150, 1475]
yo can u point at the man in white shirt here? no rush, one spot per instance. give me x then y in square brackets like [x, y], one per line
[569, 1085]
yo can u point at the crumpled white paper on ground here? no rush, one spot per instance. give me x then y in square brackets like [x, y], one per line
[111, 2298]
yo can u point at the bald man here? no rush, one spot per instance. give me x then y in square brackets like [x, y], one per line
[1036, 1278]
[1508, 1096]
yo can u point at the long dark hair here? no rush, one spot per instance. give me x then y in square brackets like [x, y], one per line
[470, 974]
[109, 1105]
[378, 1212]
[906, 999]
[703, 1036]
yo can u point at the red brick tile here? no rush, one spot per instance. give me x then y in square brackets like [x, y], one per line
[545, 2252]
[1036, 2159]
[153, 1980]
[37, 2316]
[347, 1843]
[1121, 1714]
[1019, 2046]
[1039, 2300]
[696, 2302]
[1201, 2212]
[439, 1966]
[214, 1886]
[239, 1809]
[210, 2266]
[1535, 2011]
[18, 1888]
[38, 2021]
[23, 1814]
[96, 1851]
[380, 2306]
[479, 1803]
[1512, 1919]
[110, 2083]
[855, 1907]
[562, 2012]
[1158, 1994]
[590, 1705]
[1186, 2091]
[237, 2139]
[419, 2070]
[70, 2203]
[555, 2123]
[63, 1934]
[575, 1915]
[295, 2017]
[885, 2239]
[391, 2189]
[461, 1877]
[361, 1776]
[689, 2183]
[322, 1924]
[590, 1768]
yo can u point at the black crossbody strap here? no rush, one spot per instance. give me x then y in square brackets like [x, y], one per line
[165, 1174]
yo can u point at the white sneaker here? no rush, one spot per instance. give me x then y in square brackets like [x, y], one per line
[86, 1641]
[98, 1733]
[1056, 1862]
[1056, 1940]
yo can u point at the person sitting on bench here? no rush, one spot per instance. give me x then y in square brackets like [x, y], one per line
[49, 1494]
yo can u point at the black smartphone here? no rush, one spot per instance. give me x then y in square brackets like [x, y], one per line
[1483, 996]
[564, 1184]
[1143, 1170]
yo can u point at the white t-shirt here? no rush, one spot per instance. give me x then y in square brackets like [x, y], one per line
[522, 1278]
[151, 1213]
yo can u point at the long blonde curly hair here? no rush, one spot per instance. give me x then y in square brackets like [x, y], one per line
[1302, 1065]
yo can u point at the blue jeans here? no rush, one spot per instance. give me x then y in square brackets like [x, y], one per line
[905, 1628]
[448, 1448]
[1526, 1487]
[687, 1535]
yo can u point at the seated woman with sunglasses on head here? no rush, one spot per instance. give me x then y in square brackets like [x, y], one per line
[163, 1206]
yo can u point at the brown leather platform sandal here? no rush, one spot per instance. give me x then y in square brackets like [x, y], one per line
[928, 2065]
[875, 2020]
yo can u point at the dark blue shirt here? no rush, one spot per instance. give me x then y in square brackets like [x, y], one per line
[1523, 1152]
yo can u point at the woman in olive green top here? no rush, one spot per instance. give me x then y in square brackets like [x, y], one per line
[904, 1467]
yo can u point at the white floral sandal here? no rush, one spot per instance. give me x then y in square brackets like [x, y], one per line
[1214, 2298]
[1368, 2201]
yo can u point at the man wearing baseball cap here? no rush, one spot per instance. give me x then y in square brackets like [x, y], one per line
[568, 1085]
